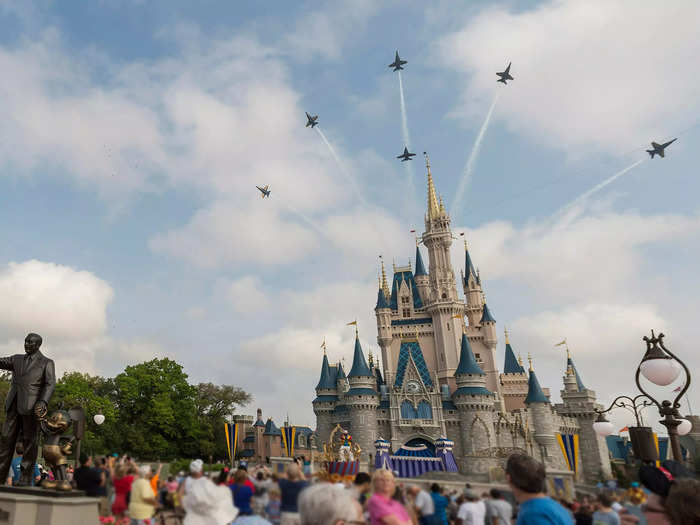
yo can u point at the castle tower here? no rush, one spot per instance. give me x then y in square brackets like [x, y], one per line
[580, 403]
[514, 380]
[488, 331]
[383, 312]
[474, 403]
[471, 284]
[421, 278]
[326, 399]
[362, 400]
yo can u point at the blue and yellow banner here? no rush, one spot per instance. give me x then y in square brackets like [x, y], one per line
[569, 448]
[232, 430]
[288, 434]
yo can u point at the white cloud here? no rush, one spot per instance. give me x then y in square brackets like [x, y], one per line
[246, 294]
[595, 75]
[55, 301]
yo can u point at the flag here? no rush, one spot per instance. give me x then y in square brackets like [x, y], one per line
[288, 434]
[624, 429]
[562, 343]
[352, 323]
[323, 345]
[231, 439]
[413, 231]
[677, 389]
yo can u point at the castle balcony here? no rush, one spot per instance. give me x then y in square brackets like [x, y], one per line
[418, 423]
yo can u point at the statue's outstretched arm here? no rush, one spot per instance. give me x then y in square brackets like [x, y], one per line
[6, 363]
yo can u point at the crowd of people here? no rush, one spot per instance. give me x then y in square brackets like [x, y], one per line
[132, 494]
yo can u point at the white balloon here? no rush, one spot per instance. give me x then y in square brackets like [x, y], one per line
[685, 427]
[98, 418]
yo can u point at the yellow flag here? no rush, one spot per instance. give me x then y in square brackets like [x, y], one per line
[562, 343]
[352, 323]
[323, 345]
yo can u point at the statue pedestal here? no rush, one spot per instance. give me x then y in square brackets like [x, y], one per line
[36, 506]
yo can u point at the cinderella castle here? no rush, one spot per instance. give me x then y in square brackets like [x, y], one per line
[439, 387]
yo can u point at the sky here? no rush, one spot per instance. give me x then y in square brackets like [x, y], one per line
[132, 135]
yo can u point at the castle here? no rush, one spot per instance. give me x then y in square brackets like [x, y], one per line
[439, 377]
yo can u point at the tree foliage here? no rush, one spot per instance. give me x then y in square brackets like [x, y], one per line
[151, 411]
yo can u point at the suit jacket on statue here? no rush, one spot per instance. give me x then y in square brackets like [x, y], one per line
[31, 382]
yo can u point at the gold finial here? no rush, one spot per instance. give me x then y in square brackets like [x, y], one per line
[569, 370]
[442, 206]
[505, 330]
[323, 345]
[384, 285]
[520, 360]
[529, 358]
[433, 206]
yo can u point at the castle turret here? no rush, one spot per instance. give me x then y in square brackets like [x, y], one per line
[383, 314]
[473, 294]
[514, 380]
[474, 403]
[362, 400]
[326, 399]
[542, 420]
[580, 403]
[341, 381]
[421, 277]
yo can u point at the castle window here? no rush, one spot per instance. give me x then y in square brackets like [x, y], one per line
[404, 300]
[478, 356]
[444, 296]
[424, 411]
[407, 312]
[407, 410]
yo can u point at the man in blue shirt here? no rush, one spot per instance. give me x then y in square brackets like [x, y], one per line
[526, 478]
[16, 469]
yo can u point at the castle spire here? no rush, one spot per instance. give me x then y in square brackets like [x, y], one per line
[571, 370]
[511, 364]
[384, 285]
[467, 361]
[325, 382]
[420, 268]
[359, 365]
[534, 390]
[486, 316]
[433, 206]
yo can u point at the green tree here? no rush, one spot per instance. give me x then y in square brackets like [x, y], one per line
[215, 404]
[5, 378]
[157, 410]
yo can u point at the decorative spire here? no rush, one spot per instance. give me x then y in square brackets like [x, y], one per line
[384, 285]
[341, 372]
[381, 300]
[529, 358]
[325, 382]
[486, 316]
[433, 206]
[420, 268]
[534, 390]
[442, 207]
[520, 362]
[371, 358]
[467, 361]
[571, 370]
[505, 331]
[359, 365]
[511, 365]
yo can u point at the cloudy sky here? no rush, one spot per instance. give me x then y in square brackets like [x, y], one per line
[132, 135]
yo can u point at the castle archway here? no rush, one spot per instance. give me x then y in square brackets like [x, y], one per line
[419, 442]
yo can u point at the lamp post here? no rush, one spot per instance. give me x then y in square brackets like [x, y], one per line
[662, 367]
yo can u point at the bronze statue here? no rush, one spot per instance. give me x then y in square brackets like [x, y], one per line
[33, 382]
[56, 448]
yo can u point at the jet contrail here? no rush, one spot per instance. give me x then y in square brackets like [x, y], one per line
[307, 220]
[345, 172]
[598, 187]
[471, 162]
[406, 140]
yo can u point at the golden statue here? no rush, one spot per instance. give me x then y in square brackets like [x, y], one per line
[340, 446]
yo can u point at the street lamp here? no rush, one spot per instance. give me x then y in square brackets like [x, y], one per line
[98, 419]
[658, 366]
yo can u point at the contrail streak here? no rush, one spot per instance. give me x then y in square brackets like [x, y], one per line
[406, 140]
[307, 220]
[345, 172]
[598, 187]
[471, 162]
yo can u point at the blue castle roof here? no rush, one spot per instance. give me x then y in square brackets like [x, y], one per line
[381, 300]
[400, 277]
[271, 429]
[420, 268]
[469, 269]
[412, 348]
[534, 390]
[472, 391]
[486, 316]
[359, 365]
[511, 365]
[326, 380]
[579, 383]
[340, 373]
[467, 361]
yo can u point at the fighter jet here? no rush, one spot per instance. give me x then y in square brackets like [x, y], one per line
[264, 191]
[406, 155]
[505, 75]
[311, 121]
[659, 148]
[397, 63]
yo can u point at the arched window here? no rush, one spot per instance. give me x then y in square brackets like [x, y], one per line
[407, 410]
[424, 411]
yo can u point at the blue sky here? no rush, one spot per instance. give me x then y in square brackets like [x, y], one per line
[133, 135]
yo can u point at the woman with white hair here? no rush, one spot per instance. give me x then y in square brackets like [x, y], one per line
[205, 502]
[383, 508]
[142, 503]
[326, 504]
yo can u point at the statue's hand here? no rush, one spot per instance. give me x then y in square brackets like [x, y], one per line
[66, 449]
[40, 409]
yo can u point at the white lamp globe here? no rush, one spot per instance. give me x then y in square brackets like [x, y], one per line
[98, 419]
[685, 427]
[660, 371]
[603, 428]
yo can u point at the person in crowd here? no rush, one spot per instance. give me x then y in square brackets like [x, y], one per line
[498, 510]
[242, 493]
[205, 503]
[122, 486]
[472, 511]
[154, 478]
[683, 502]
[441, 502]
[526, 476]
[423, 505]
[383, 508]
[326, 504]
[142, 500]
[16, 470]
[89, 479]
[272, 510]
[362, 484]
[605, 515]
[658, 481]
[583, 515]
[290, 488]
